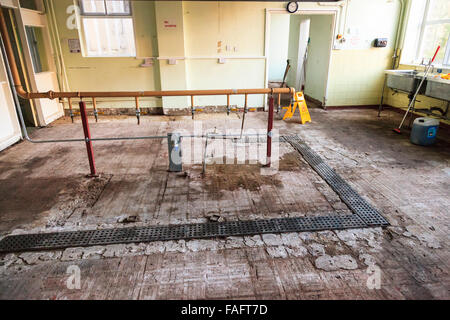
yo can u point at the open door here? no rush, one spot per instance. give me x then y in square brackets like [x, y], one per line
[297, 52]
[308, 37]
[317, 65]
[32, 29]
[27, 106]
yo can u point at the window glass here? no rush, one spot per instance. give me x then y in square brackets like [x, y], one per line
[93, 6]
[439, 9]
[118, 7]
[108, 28]
[428, 27]
[434, 35]
[109, 37]
[37, 50]
[28, 4]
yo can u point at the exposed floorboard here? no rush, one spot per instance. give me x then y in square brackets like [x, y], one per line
[43, 188]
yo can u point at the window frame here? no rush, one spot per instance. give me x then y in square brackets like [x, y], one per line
[106, 15]
[36, 57]
[423, 24]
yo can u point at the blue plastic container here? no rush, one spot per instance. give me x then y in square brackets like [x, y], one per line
[424, 131]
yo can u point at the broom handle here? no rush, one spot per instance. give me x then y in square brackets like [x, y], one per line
[420, 85]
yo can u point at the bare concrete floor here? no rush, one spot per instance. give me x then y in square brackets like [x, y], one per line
[43, 188]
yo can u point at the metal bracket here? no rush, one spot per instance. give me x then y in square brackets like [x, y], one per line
[96, 115]
[175, 155]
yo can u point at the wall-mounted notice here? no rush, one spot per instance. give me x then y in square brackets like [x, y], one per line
[74, 45]
[169, 24]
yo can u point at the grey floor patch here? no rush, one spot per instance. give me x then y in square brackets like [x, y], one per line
[364, 216]
[347, 194]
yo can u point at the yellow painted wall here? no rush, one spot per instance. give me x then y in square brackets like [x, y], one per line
[236, 31]
[235, 73]
[113, 74]
[237, 24]
[231, 30]
[278, 51]
[356, 76]
[171, 44]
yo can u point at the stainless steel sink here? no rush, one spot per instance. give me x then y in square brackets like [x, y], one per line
[404, 80]
[438, 88]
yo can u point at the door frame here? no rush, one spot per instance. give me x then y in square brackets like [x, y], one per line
[333, 11]
[37, 18]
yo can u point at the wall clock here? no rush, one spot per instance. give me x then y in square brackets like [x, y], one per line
[292, 6]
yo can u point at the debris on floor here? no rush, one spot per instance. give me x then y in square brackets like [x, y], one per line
[128, 219]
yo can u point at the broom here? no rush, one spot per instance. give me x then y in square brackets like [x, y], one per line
[397, 130]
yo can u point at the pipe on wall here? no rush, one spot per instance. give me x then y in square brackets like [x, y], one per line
[53, 95]
[401, 21]
[18, 90]
[59, 57]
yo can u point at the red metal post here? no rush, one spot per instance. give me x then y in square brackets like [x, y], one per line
[269, 131]
[87, 137]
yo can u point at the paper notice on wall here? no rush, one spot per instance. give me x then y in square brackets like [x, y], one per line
[169, 24]
[354, 41]
[74, 45]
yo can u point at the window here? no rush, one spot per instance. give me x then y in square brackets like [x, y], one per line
[108, 28]
[37, 49]
[428, 27]
[28, 4]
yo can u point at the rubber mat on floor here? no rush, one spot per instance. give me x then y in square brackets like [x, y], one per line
[60, 240]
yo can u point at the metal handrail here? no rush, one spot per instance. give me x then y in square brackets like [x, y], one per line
[18, 90]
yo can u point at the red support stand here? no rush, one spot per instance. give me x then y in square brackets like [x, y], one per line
[87, 137]
[269, 131]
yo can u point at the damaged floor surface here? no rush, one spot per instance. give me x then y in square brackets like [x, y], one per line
[43, 188]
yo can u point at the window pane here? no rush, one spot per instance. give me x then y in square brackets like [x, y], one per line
[93, 6]
[37, 50]
[28, 4]
[109, 37]
[433, 36]
[439, 9]
[118, 7]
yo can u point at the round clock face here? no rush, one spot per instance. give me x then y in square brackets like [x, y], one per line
[292, 7]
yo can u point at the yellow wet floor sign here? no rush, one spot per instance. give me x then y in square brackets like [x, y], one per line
[299, 101]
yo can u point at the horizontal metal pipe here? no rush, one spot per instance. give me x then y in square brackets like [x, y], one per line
[129, 138]
[166, 93]
[18, 90]
[209, 136]
[25, 133]
[108, 94]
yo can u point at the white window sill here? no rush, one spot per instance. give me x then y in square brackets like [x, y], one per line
[109, 57]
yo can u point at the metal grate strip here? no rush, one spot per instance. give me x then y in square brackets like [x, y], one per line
[348, 195]
[60, 240]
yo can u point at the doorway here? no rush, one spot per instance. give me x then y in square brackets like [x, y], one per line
[38, 59]
[304, 40]
[27, 106]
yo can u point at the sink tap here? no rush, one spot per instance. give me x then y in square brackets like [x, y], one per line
[424, 64]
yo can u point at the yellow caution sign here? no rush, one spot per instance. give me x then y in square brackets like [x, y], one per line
[299, 101]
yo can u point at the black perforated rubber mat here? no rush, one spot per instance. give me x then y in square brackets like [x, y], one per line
[58, 240]
[364, 216]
